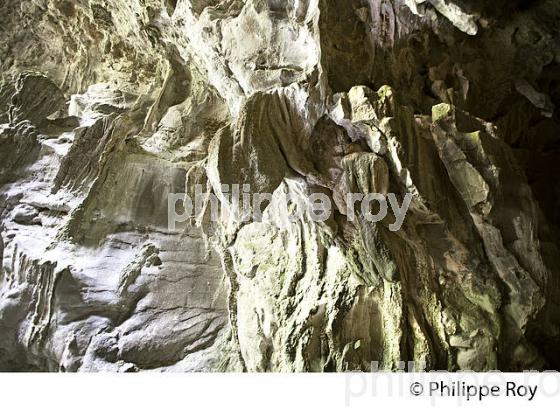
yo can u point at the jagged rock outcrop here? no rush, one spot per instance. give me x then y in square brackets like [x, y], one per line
[448, 107]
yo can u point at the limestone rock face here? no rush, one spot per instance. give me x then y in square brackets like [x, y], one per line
[109, 108]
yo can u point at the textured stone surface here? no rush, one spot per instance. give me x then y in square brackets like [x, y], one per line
[106, 107]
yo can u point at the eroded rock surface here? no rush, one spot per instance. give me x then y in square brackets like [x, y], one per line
[107, 107]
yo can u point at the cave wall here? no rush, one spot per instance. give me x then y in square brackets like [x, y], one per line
[107, 107]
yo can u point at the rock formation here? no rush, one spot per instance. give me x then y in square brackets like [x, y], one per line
[109, 107]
